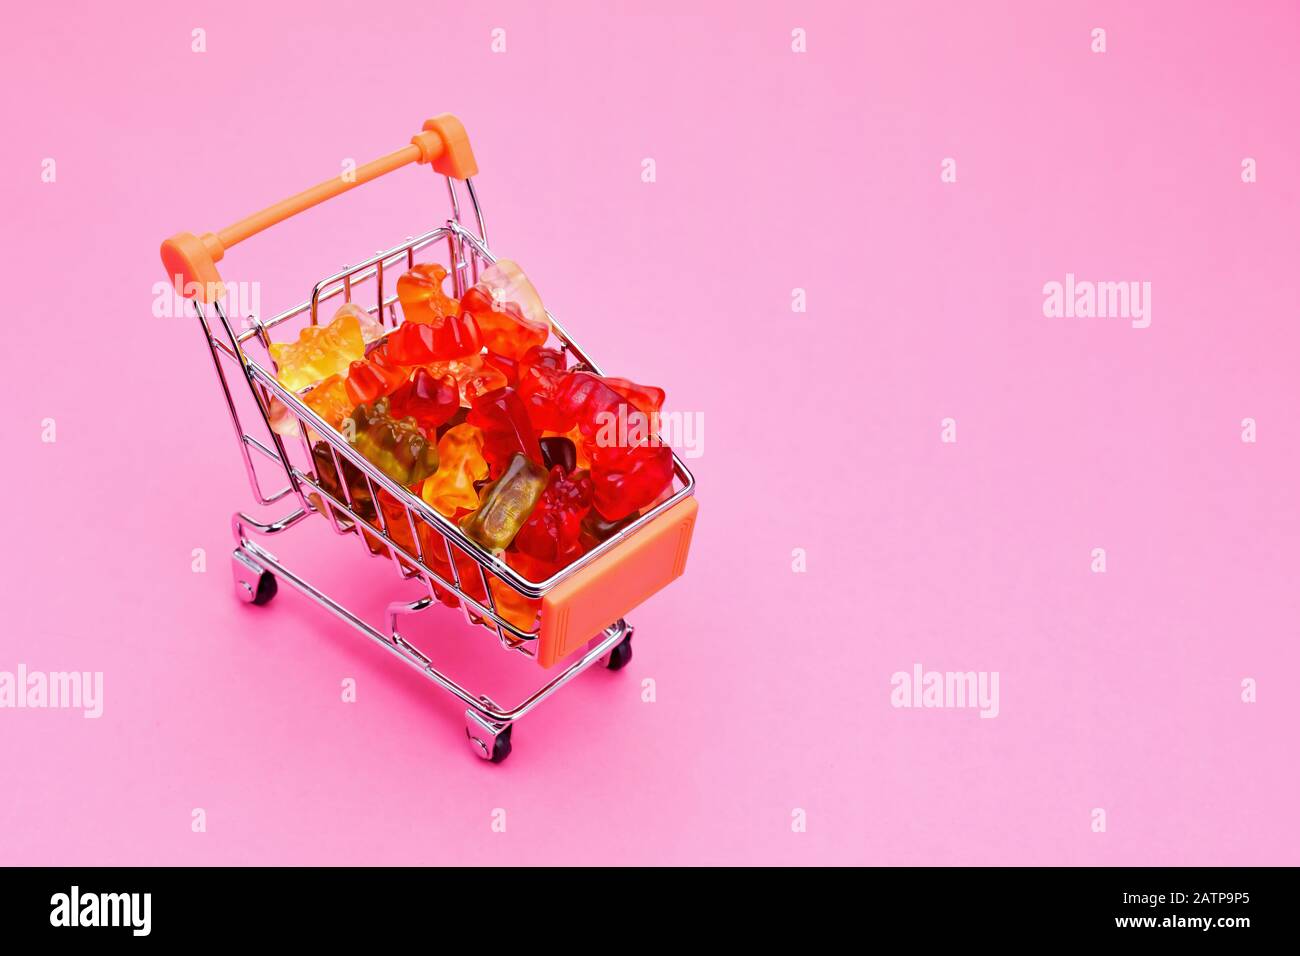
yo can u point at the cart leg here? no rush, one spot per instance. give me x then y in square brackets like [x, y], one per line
[488, 739]
[253, 584]
[620, 655]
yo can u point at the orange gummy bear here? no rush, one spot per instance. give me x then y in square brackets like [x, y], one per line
[460, 464]
[330, 401]
[421, 295]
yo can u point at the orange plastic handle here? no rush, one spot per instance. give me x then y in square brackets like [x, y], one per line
[582, 606]
[191, 261]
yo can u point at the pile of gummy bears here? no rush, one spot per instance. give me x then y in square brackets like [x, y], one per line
[466, 405]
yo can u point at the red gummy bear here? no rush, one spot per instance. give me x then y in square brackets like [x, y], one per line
[553, 528]
[501, 416]
[541, 379]
[629, 466]
[373, 378]
[629, 481]
[509, 367]
[419, 343]
[429, 399]
[506, 331]
[607, 421]
[584, 398]
[648, 398]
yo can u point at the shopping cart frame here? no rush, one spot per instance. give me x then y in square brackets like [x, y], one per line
[419, 528]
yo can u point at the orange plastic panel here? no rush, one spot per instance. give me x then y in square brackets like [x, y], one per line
[580, 608]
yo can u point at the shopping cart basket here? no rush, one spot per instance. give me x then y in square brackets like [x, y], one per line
[581, 606]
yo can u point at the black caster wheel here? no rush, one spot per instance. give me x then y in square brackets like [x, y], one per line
[253, 583]
[266, 589]
[621, 654]
[501, 746]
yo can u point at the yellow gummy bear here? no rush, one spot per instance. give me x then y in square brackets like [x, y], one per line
[319, 352]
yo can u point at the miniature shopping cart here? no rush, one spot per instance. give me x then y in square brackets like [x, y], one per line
[582, 605]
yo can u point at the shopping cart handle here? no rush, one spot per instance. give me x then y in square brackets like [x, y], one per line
[191, 261]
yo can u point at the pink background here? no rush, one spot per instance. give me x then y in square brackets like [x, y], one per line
[775, 170]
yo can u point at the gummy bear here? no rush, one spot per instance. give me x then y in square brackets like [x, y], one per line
[507, 366]
[373, 378]
[460, 464]
[319, 353]
[371, 329]
[435, 556]
[558, 450]
[420, 292]
[630, 479]
[505, 329]
[506, 428]
[434, 547]
[504, 283]
[427, 398]
[541, 379]
[585, 399]
[471, 580]
[282, 421]
[399, 529]
[436, 559]
[506, 504]
[447, 337]
[629, 466]
[475, 377]
[647, 398]
[432, 550]
[327, 476]
[516, 608]
[511, 606]
[574, 437]
[609, 424]
[552, 529]
[396, 447]
[457, 418]
[541, 357]
[330, 400]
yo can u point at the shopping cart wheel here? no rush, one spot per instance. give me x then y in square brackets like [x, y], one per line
[489, 741]
[266, 588]
[253, 585]
[501, 746]
[620, 655]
